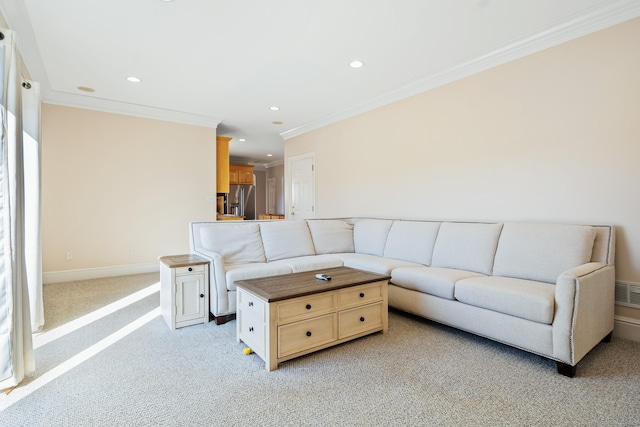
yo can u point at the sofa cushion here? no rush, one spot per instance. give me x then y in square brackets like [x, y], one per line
[430, 280]
[412, 241]
[237, 243]
[374, 264]
[520, 298]
[313, 262]
[331, 236]
[235, 272]
[370, 235]
[542, 252]
[286, 239]
[466, 246]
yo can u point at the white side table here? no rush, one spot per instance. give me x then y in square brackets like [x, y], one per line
[184, 290]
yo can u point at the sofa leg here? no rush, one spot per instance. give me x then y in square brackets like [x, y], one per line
[566, 370]
[221, 320]
[608, 337]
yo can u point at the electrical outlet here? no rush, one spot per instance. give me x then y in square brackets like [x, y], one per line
[210, 199]
[134, 252]
[69, 256]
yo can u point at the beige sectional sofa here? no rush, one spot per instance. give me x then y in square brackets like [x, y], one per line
[544, 288]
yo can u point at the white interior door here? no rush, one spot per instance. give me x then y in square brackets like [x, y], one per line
[302, 172]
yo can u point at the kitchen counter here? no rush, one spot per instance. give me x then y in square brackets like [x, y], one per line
[227, 217]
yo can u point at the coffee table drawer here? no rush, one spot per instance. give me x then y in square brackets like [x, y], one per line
[361, 319]
[306, 307]
[307, 334]
[252, 330]
[248, 302]
[359, 295]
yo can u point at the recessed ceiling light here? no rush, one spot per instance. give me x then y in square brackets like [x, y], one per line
[242, 140]
[356, 64]
[269, 155]
[133, 79]
[274, 108]
[277, 123]
[86, 89]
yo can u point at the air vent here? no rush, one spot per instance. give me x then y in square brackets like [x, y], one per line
[628, 294]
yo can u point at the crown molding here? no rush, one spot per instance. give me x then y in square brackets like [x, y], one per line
[117, 107]
[597, 18]
[274, 164]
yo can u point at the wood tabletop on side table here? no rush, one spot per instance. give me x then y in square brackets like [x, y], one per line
[184, 260]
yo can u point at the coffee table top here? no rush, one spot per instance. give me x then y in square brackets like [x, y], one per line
[285, 286]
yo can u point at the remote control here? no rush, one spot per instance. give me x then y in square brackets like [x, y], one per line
[323, 277]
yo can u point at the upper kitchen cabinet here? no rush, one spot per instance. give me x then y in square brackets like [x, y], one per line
[222, 164]
[240, 174]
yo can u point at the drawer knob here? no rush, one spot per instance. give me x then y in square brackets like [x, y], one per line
[308, 333]
[361, 294]
[362, 319]
[201, 295]
[250, 303]
[308, 308]
[251, 329]
[190, 269]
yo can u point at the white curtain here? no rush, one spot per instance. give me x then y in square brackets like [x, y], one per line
[19, 259]
[32, 154]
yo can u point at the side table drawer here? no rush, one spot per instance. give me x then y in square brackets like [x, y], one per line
[190, 269]
[361, 319]
[359, 295]
[306, 307]
[306, 334]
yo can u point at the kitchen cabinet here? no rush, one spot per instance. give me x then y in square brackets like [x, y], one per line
[222, 164]
[240, 174]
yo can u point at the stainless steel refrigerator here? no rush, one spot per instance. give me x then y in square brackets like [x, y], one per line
[242, 201]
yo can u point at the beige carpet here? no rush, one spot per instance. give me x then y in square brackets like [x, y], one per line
[420, 373]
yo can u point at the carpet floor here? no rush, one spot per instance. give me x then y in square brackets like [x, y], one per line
[106, 358]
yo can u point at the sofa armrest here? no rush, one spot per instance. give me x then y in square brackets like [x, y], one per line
[218, 294]
[584, 310]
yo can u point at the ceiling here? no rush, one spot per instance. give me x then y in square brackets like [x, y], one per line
[224, 63]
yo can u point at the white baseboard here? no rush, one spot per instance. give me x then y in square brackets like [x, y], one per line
[96, 273]
[627, 328]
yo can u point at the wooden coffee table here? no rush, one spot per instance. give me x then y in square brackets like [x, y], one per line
[286, 316]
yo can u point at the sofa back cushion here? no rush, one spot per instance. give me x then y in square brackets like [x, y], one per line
[412, 241]
[370, 235]
[542, 252]
[286, 239]
[237, 243]
[466, 246]
[331, 236]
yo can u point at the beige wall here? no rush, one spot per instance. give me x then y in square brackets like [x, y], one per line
[114, 183]
[554, 136]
